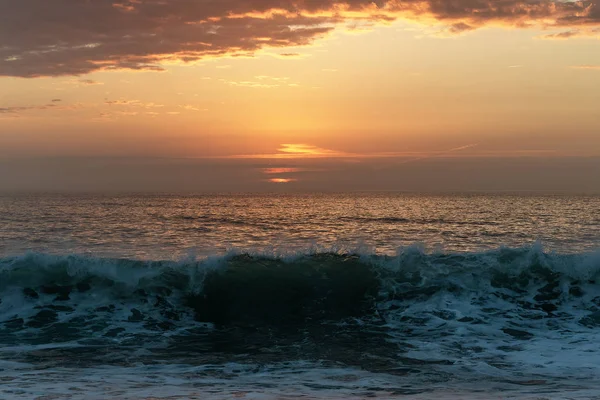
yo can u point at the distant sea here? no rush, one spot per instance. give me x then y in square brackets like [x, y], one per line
[314, 296]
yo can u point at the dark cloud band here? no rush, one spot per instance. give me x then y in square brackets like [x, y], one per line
[74, 37]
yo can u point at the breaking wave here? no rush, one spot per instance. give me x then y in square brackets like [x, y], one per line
[432, 315]
[39, 290]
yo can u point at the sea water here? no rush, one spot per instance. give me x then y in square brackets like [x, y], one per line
[299, 296]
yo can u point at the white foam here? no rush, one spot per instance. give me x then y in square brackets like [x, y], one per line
[289, 381]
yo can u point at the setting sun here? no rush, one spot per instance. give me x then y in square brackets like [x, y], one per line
[282, 180]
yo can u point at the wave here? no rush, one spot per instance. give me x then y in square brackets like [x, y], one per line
[419, 221]
[412, 289]
[427, 320]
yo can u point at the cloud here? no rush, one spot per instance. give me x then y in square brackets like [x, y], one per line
[281, 170]
[274, 78]
[282, 180]
[252, 84]
[73, 37]
[587, 67]
[297, 151]
[132, 103]
[288, 56]
[13, 110]
[562, 35]
[459, 27]
[90, 82]
[573, 33]
[122, 102]
[263, 81]
[56, 100]
[16, 110]
[190, 107]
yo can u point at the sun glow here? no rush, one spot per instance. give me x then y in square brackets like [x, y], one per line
[289, 151]
[282, 180]
[273, 171]
[305, 150]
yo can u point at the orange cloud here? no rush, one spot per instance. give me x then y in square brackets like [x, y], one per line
[587, 67]
[132, 103]
[306, 151]
[90, 82]
[291, 151]
[301, 152]
[574, 33]
[72, 37]
[282, 180]
[15, 110]
[274, 171]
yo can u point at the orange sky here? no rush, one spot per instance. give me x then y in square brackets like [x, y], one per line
[260, 86]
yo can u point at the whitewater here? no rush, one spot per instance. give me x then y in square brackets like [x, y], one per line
[160, 297]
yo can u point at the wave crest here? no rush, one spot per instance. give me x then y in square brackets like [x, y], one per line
[38, 290]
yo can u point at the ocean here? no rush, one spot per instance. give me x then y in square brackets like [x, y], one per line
[311, 296]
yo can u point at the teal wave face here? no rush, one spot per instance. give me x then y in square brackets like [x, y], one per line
[415, 313]
[39, 290]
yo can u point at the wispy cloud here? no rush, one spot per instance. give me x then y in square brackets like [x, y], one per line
[121, 102]
[273, 78]
[263, 81]
[90, 82]
[15, 110]
[252, 84]
[282, 180]
[435, 154]
[132, 103]
[561, 35]
[300, 151]
[288, 56]
[291, 151]
[190, 107]
[282, 170]
[573, 33]
[306, 151]
[586, 67]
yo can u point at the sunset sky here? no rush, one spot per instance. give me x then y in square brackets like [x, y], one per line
[260, 95]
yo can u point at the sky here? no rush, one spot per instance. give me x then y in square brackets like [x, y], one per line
[304, 95]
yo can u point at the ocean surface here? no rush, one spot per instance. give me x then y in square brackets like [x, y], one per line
[345, 296]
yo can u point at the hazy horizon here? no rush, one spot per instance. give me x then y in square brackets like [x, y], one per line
[433, 175]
